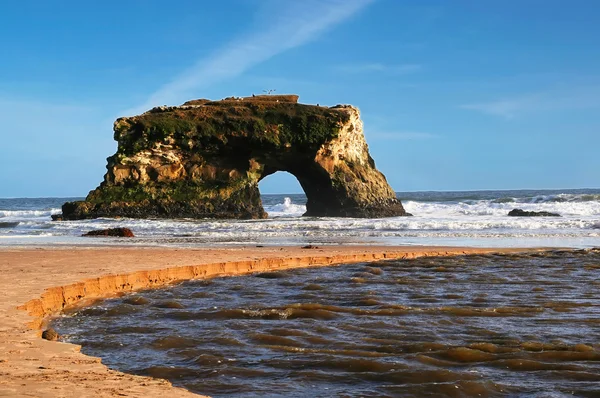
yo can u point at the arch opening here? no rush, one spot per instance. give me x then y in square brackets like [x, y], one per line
[282, 195]
[323, 195]
[280, 183]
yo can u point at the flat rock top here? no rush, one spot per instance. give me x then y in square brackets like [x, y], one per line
[291, 98]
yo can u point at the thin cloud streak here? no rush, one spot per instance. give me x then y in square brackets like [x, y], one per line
[284, 28]
[555, 100]
[507, 108]
[377, 67]
[401, 136]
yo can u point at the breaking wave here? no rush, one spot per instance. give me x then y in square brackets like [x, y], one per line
[285, 209]
[440, 218]
[24, 214]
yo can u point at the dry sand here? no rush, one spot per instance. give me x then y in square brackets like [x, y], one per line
[39, 282]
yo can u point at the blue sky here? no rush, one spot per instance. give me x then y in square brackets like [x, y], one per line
[454, 95]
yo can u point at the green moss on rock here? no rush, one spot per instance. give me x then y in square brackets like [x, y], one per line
[205, 159]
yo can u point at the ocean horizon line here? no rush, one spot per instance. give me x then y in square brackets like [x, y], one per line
[396, 191]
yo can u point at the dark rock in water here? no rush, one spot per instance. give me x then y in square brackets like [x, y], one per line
[523, 213]
[270, 275]
[120, 232]
[50, 334]
[57, 217]
[206, 158]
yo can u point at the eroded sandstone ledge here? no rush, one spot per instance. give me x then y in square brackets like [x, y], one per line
[55, 299]
[205, 159]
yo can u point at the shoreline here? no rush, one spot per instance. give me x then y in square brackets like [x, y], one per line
[40, 282]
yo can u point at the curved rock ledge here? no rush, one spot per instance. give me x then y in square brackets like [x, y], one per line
[44, 281]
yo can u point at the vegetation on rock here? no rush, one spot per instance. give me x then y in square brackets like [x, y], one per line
[205, 159]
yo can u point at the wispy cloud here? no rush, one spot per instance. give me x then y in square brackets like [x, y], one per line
[282, 26]
[507, 108]
[553, 100]
[377, 67]
[401, 136]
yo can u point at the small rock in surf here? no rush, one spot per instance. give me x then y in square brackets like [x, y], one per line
[523, 213]
[50, 334]
[120, 232]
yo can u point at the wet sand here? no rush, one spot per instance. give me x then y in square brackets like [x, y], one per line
[39, 282]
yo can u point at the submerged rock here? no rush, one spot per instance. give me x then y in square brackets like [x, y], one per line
[205, 159]
[50, 334]
[119, 232]
[136, 300]
[523, 213]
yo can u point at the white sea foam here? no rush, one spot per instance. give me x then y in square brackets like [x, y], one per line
[491, 207]
[24, 214]
[285, 209]
[469, 218]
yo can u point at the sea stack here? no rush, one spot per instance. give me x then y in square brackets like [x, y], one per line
[204, 159]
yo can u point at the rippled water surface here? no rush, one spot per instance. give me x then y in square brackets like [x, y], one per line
[499, 325]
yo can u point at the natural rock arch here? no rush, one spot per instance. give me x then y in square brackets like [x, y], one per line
[205, 159]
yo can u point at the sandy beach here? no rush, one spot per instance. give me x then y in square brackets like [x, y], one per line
[37, 283]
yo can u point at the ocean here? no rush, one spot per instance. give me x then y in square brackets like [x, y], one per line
[469, 218]
[481, 325]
